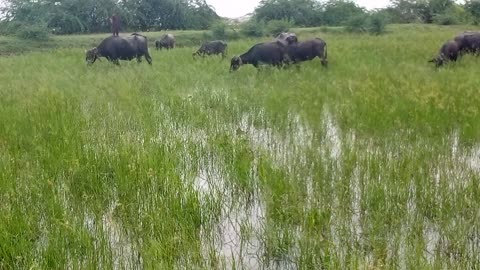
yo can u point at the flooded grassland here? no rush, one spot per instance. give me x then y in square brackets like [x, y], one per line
[371, 163]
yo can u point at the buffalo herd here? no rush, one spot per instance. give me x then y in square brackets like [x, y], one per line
[286, 49]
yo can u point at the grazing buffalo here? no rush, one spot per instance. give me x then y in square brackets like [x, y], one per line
[212, 47]
[449, 52]
[166, 41]
[120, 48]
[308, 50]
[469, 42]
[288, 38]
[270, 53]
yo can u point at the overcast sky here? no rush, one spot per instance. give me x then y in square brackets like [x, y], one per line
[238, 8]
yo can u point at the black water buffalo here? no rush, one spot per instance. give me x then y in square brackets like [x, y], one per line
[166, 41]
[288, 38]
[212, 47]
[270, 53]
[468, 42]
[116, 48]
[449, 52]
[308, 50]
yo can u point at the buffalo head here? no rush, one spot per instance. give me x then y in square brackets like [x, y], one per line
[235, 63]
[288, 38]
[439, 61]
[291, 39]
[91, 55]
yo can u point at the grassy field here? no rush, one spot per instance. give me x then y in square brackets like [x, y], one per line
[373, 163]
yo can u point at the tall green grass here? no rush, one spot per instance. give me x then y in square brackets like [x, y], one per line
[371, 163]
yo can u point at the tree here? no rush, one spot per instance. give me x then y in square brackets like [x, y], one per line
[74, 16]
[473, 8]
[301, 12]
[408, 11]
[338, 12]
[200, 15]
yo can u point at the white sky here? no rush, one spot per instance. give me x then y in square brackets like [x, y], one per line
[238, 8]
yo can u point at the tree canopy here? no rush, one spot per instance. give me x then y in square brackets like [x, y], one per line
[75, 16]
[308, 12]
[341, 12]
[83, 16]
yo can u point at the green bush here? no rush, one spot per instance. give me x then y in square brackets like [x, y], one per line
[357, 24]
[219, 30]
[253, 29]
[452, 16]
[275, 27]
[9, 28]
[374, 24]
[33, 32]
[377, 24]
[445, 19]
[233, 35]
[473, 9]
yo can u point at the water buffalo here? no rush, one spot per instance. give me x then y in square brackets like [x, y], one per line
[449, 52]
[212, 47]
[288, 38]
[308, 50]
[120, 48]
[166, 41]
[469, 42]
[270, 53]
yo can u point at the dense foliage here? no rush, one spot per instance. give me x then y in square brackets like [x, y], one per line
[90, 16]
[73, 16]
[347, 12]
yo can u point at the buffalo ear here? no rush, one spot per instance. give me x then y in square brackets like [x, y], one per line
[432, 61]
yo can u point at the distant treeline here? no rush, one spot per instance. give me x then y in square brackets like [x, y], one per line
[90, 16]
[32, 18]
[340, 12]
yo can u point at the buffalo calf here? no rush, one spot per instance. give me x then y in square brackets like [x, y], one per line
[166, 41]
[212, 47]
[449, 52]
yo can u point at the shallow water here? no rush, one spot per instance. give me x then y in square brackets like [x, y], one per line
[237, 236]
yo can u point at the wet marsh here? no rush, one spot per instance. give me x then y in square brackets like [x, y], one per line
[371, 163]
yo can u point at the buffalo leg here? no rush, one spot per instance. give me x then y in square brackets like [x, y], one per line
[149, 58]
[454, 57]
[324, 62]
